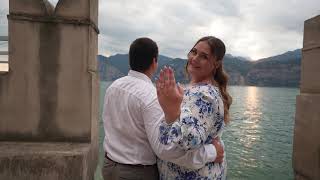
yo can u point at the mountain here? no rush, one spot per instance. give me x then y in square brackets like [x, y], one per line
[280, 70]
[108, 71]
[237, 68]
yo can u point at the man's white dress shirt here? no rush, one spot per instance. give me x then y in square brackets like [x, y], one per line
[131, 117]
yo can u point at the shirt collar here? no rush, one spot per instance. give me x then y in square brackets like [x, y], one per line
[139, 75]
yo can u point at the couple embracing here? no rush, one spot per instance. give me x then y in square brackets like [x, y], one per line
[167, 132]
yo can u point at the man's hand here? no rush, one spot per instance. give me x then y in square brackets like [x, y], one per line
[219, 149]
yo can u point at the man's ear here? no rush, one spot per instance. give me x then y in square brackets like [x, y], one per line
[155, 60]
[155, 63]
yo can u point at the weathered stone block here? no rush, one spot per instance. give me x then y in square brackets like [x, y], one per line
[80, 9]
[50, 95]
[32, 7]
[18, 96]
[311, 36]
[310, 73]
[45, 161]
[306, 147]
[49, 86]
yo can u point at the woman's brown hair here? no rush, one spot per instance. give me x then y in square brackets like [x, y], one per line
[218, 49]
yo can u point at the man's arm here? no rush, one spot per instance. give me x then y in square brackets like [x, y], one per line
[192, 159]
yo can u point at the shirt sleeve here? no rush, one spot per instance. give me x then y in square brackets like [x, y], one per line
[199, 121]
[196, 159]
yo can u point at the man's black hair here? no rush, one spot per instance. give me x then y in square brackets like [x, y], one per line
[141, 54]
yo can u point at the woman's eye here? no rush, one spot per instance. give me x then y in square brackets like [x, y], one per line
[203, 57]
[193, 51]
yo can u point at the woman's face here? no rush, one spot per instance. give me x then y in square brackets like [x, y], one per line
[201, 63]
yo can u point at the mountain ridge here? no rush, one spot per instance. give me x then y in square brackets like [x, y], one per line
[282, 70]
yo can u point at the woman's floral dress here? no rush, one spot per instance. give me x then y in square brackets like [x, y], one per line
[201, 120]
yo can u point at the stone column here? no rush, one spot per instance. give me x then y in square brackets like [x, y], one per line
[49, 98]
[306, 145]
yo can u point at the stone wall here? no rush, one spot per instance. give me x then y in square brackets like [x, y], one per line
[306, 146]
[50, 94]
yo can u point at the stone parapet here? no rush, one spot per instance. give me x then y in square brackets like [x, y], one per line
[306, 144]
[306, 148]
[49, 97]
[49, 161]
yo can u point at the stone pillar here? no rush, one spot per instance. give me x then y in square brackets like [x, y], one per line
[49, 98]
[306, 145]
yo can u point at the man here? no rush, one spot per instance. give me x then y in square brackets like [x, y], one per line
[132, 116]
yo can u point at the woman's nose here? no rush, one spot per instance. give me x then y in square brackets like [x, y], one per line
[195, 58]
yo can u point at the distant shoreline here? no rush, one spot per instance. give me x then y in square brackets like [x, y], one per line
[291, 87]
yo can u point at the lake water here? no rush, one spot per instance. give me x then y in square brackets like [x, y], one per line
[259, 137]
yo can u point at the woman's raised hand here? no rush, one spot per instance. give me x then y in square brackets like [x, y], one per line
[170, 94]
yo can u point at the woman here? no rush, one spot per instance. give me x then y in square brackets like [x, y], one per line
[198, 114]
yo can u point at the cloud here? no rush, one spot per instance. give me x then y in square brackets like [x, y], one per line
[251, 28]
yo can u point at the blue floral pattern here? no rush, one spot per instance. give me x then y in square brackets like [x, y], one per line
[200, 121]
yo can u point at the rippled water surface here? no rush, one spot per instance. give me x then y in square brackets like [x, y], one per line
[259, 137]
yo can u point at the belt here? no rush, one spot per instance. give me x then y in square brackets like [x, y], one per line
[133, 165]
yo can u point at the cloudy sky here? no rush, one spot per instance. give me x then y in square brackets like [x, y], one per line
[249, 28]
